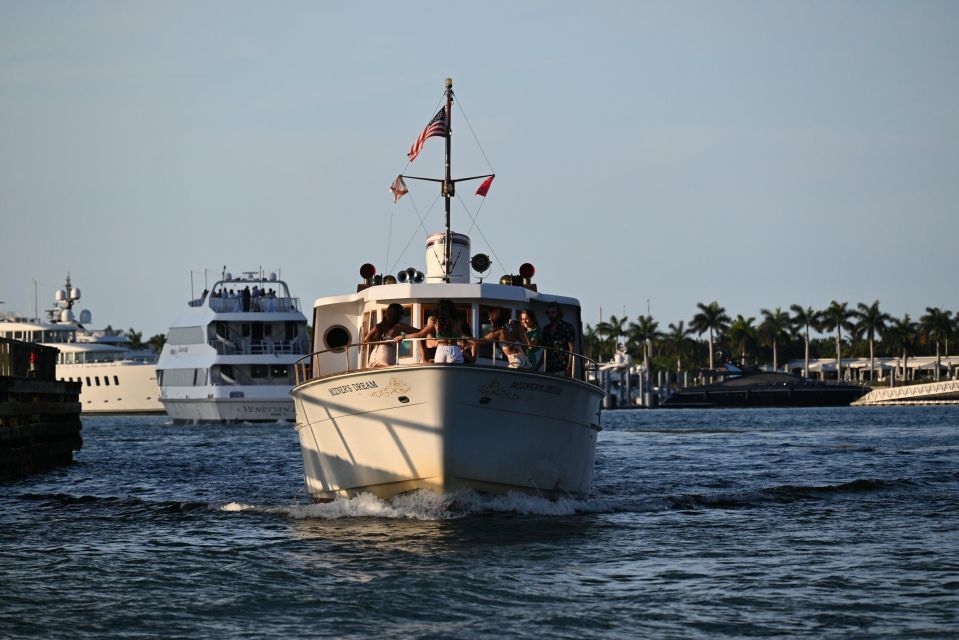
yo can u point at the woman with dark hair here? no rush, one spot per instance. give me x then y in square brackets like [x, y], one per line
[387, 333]
[509, 337]
[448, 329]
[530, 325]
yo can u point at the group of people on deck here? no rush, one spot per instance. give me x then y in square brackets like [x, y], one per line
[255, 299]
[450, 338]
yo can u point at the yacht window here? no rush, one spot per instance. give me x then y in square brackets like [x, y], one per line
[186, 335]
[226, 370]
[88, 381]
[258, 371]
[116, 381]
[106, 381]
[279, 371]
[97, 380]
[290, 330]
[336, 338]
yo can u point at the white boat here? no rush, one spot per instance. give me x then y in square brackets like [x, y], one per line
[421, 425]
[230, 358]
[114, 377]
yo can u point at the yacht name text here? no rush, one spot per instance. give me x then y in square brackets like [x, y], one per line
[535, 386]
[350, 388]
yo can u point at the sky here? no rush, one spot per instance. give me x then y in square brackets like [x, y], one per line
[649, 155]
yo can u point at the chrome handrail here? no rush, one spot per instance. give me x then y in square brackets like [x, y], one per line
[303, 367]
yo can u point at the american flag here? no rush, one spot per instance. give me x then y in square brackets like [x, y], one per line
[436, 127]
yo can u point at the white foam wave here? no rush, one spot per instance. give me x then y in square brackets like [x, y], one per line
[429, 505]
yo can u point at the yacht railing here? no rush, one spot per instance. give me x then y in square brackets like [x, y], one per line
[582, 367]
[257, 347]
[259, 304]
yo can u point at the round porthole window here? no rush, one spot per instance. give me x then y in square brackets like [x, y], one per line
[336, 338]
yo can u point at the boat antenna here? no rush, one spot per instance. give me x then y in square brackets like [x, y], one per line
[449, 187]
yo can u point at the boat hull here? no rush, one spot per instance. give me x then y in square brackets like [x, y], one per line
[443, 428]
[228, 410]
[115, 387]
[825, 396]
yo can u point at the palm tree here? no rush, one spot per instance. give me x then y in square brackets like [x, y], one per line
[773, 328]
[871, 322]
[613, 330]
[643, 333]
[742, 333]
[678, 338]
[711, 318]
[837, 317]
[156, 342]
[805, 318]
[592, 344]
[136, 339]
[937, 324]
[902, 334]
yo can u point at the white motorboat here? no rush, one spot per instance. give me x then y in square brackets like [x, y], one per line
[114, 377]
[417, 424]
[230, 358]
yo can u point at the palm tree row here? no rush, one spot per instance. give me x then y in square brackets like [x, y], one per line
[777, 329]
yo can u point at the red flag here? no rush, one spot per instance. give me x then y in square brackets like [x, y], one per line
[484, 188]
[398, 188]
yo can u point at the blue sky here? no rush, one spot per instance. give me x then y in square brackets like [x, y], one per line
[755, 153]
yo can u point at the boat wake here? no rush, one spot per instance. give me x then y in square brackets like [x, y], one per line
[428, 505]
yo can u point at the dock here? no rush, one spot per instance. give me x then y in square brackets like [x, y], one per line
[933, 393]
[39, 415]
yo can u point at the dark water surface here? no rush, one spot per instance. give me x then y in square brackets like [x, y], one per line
[805, 523]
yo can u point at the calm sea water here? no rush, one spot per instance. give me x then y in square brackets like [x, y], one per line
[805, 523]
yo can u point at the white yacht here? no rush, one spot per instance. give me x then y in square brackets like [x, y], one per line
[114, 377]
[418, 424]
[230, 358]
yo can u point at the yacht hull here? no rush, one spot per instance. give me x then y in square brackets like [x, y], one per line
[387, 431]
[115, 387]
[196, 410]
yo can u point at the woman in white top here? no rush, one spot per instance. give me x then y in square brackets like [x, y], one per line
[387, 333]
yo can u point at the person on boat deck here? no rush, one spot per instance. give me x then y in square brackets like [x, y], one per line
[560, 337]
[387, 332]
[530, 325]
[448, 329]
[511, 339]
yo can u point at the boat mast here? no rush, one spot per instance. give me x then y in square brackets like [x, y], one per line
[449, 187]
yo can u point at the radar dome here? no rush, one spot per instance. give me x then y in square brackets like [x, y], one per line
[228, 276]
[66, 316]
[86, 317]
[61, 295]
[273, 276]
[74, 294]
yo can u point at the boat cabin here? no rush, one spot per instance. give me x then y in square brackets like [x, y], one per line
[339, 323]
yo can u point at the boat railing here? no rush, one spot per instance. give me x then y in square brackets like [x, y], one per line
[307, 368]
[257, 347]
[257, 304]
